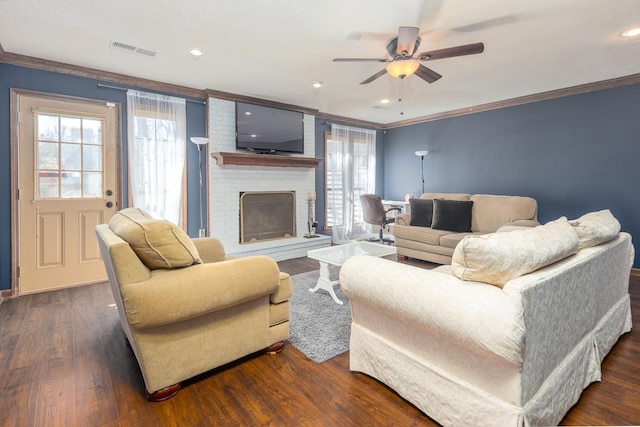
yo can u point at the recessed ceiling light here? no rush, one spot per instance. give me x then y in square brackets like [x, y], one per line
[253, 135]
[196, 51]
[385, 101]
[247, 113]
[317, 84]
[633, 32]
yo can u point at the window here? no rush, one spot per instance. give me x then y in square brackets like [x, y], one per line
[157, 152]
[68, 156]
[350, 172]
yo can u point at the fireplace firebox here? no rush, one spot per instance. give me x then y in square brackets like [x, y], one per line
[267, 215]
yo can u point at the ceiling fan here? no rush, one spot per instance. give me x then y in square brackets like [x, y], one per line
[405, 62]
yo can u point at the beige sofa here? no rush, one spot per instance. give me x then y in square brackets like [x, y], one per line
[184, 306]
[489, 214]
[516, 350]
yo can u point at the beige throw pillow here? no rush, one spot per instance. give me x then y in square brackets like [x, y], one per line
[497, 258]
[595, 228]
[157, 242]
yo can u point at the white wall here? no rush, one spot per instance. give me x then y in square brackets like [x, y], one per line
[227, 181]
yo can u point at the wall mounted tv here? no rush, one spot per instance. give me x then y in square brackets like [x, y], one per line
[263, 129]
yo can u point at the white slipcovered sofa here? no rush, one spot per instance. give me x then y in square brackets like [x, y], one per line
[469, 347]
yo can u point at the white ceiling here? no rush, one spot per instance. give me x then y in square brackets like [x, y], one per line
[275, 49]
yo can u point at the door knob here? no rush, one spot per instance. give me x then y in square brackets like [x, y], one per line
[109, 204]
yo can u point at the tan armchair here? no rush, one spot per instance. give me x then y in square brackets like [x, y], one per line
[183, 321]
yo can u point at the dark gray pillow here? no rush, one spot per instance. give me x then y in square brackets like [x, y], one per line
[451, 215]
[421, 212]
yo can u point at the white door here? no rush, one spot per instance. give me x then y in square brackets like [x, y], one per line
[66, 186]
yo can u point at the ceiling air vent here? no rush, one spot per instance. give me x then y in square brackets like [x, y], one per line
[125, 47]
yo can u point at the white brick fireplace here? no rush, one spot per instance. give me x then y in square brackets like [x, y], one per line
[226, 182]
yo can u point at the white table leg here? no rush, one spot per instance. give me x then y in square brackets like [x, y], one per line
[324, 282]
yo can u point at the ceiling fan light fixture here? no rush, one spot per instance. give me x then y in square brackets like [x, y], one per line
[196, 52]
[632, 32]
[402, 67]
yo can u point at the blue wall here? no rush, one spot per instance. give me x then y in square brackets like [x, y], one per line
[30, 79]
[573, 155]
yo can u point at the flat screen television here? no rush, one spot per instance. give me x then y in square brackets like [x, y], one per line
[263, 129]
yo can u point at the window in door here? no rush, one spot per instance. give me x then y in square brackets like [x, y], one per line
[69, 156]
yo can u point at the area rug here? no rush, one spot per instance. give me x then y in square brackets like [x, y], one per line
[319, 327]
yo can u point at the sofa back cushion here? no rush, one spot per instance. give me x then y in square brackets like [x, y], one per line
[595, 228]
[157, 242]
[490, 212]
[447, 196]
[497, 258]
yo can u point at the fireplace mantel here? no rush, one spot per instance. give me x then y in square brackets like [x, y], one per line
[227, 158]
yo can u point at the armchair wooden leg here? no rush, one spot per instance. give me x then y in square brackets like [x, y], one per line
[164, 393]
[275, 348]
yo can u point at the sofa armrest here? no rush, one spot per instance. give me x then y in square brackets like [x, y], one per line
[210, 249]
[403, 219]
[476, 315]
[171, 296]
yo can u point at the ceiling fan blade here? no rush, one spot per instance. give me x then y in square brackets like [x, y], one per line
[427, 74]
[467, 49]
[488, 23]
[359, 60]
[407, 37]
[375, 76]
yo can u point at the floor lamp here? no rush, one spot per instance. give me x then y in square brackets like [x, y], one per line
[421, 154]
[200, 143]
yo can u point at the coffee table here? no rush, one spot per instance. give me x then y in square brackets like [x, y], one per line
[337, 255]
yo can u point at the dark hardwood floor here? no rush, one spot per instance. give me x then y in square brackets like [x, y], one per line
[64, 362]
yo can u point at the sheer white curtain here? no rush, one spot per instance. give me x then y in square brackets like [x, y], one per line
[351, 171]
[157, 148]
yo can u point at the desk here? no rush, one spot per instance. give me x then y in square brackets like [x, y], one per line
[405, 206]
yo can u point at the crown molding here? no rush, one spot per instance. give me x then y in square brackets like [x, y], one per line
[106, 76]
[92, 73]
[260, 101]
[59, 67]
[527, 99]
[357, 122]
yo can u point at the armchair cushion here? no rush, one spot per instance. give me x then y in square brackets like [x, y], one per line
[157, 242]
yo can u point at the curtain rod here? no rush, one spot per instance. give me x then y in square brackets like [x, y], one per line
[124, 88]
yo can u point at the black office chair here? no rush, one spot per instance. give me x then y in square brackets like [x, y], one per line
[376, 214]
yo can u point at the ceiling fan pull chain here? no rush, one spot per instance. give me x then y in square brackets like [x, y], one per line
[400, 96]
